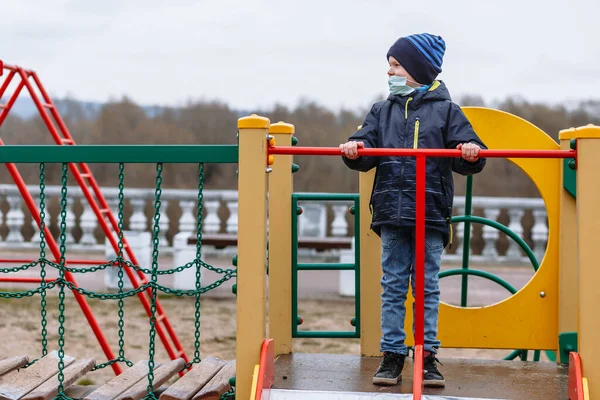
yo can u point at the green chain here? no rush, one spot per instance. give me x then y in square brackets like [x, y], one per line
[198, 263]
[61, 292]
[230, 394]
[62, 284]
[154, 278]
[22, 267]
[43, 258]
[30, 293]
[113, 263]
[121, 313]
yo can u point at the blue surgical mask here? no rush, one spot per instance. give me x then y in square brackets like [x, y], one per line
[398, 86]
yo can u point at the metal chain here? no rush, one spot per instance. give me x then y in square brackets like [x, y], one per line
[126, 263]
[42, 262]
[22, 267]
[228, 395]
[29, 293]
[198, 263]
[121, 313]
[61, 292]
[154, 277]
[121, 263]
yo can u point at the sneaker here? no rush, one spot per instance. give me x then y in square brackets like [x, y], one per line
[389, 372]
[431, 375]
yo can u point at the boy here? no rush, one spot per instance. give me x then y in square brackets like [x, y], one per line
[418, 114]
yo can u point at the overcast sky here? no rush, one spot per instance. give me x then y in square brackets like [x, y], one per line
[254, 53]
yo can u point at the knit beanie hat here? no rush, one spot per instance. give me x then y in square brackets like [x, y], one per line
[421, 56]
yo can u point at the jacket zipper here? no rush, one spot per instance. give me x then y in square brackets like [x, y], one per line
[403, 159]
[406, 108]
[416, 138]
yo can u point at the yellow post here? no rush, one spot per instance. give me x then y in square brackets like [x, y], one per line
[588, 237]
[370, 273]
[252, 236]
[568, 274]
[280, 242]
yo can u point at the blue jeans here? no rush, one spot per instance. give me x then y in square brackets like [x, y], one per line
[398, 258]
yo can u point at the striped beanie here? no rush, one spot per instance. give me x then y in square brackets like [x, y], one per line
[421, 56]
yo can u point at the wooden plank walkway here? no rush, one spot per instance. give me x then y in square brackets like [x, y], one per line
[486, 379]
[483, 379]
[207, 380]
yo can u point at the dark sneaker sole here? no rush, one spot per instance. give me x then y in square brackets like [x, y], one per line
[386, 381]
[434, 383]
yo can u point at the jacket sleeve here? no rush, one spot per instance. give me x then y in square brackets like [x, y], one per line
[459, 130]
[368, 134]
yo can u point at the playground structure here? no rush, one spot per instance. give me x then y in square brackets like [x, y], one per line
[555, 306]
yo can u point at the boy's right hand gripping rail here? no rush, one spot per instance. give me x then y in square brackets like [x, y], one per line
[421, 156]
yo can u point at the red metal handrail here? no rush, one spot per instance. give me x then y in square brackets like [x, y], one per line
[421, 161]
[334, 151]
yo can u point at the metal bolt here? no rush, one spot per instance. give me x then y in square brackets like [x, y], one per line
[269, 170]
[542, 294]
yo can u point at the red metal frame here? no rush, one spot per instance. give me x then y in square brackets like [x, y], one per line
[419, 278]
[421, 161]
[24, 280]
[334, 151]
[72, 262]
[266, 374]
[90, 188]
[575, 377]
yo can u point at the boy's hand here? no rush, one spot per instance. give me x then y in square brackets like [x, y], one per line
[470, 151]
[350, 149]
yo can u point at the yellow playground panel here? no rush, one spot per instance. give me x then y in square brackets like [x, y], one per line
[561, 296]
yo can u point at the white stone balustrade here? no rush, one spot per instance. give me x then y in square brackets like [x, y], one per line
[220, 211]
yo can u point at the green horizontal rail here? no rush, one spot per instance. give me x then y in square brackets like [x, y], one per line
[120, 154]
[327, 334]
[504, 229]
[325, 196]
[326, 267]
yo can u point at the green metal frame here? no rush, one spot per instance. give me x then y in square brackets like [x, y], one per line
[567, 342]
[569, 177]
[120, 154]
[296, 267]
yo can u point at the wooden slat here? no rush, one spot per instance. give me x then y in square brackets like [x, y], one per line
[191, 383]
[121, 383]
[73, 372]
[218, 385]
[78, 392]
[18, 383]
[161, 375]
[9, 364]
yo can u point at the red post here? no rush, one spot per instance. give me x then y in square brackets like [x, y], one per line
[419, 316]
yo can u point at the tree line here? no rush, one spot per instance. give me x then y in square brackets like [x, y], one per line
[211, 122]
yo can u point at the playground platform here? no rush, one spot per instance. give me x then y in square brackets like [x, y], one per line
[468, 379]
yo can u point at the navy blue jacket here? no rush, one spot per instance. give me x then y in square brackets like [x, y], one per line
[427, 119]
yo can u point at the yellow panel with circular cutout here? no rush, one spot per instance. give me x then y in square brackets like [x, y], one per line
[525, 320]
